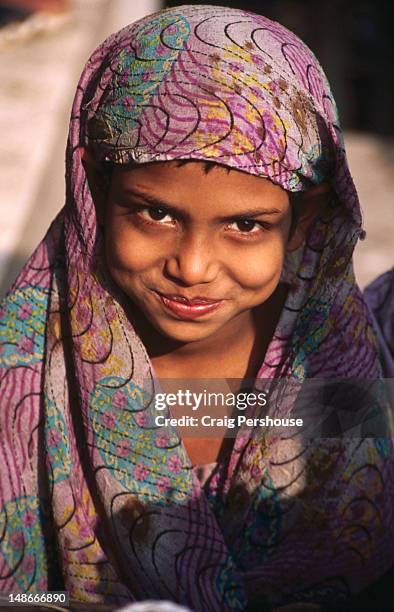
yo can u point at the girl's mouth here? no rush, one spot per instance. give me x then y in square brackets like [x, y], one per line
[186, 309]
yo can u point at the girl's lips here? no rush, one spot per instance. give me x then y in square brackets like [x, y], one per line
[187, 310]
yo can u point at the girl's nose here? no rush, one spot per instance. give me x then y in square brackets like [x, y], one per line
[192, 262]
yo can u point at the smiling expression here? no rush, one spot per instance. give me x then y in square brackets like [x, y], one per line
[196, 251]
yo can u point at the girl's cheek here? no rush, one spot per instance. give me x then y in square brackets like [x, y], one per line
[260, 278]
[125, 250]
[260, 269]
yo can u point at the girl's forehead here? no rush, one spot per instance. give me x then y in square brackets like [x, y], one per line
[172, 175]
[188, 187]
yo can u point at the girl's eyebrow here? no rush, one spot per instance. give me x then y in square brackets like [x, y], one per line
[249, 213]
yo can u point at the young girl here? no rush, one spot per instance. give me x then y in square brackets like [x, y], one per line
[208, 232]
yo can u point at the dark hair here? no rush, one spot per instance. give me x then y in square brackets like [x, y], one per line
[294, 196]
[208, 165]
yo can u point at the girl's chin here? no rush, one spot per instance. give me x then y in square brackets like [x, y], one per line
[185, 332]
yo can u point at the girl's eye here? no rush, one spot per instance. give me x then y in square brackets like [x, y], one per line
[245, 225]
[155, 214]
[248, 226]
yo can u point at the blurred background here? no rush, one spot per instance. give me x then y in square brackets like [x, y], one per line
[44, 45]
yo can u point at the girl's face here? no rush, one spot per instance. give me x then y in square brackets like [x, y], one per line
[177, 231]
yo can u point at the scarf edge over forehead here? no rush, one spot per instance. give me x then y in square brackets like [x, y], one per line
[73, 367]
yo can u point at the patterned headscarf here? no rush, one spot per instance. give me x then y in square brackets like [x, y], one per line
[91, 493]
